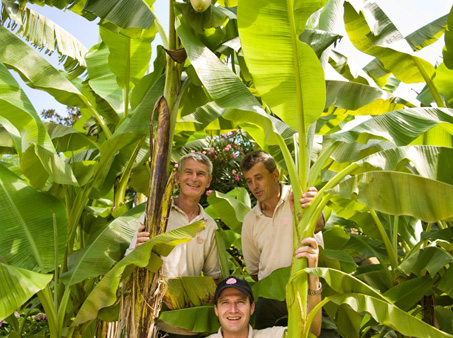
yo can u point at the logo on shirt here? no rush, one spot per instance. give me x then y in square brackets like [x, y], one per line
[285, 220]
[200, 240]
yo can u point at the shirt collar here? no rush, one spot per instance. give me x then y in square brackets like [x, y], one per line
[202, 215]
[249, 336]
[285, 191]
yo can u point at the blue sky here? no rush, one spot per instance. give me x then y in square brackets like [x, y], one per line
[407, 15]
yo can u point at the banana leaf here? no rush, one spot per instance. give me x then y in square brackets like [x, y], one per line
[400, 127]
[18, 286]
[427, 260]
[229, 209]
[286, 71]
[374, 42]
[102, 80]
[185, 292]
[125, 13]
[428, 34]
[43, 33]
[146, 255]
[398, 193]
[196, 319]
[103, 249]
[389, 315]
[447, 52]
[29, 239]
[406, 294]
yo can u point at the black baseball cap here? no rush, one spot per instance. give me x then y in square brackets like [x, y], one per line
[235, 283]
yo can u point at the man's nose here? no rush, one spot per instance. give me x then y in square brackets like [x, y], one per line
[234, 308]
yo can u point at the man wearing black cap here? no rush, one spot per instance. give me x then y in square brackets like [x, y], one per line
[234, 303]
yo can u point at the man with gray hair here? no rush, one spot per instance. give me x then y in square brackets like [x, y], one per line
[199, 254]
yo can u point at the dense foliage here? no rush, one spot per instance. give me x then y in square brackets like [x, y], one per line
[248, 76]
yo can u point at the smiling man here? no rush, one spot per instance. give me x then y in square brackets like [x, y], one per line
[234, 303]
[200, 254]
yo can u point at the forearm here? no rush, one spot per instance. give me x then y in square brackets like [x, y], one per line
[313, 300]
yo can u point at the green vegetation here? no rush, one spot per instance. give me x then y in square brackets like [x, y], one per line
[248, 75]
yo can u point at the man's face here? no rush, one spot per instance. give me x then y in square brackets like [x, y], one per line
[193, 178]
[262, 183]
[234, 310]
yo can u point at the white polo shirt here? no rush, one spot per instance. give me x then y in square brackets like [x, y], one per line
[191, 258]
[267, 242]
[271, 332]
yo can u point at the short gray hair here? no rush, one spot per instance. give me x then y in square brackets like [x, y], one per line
[199, 157]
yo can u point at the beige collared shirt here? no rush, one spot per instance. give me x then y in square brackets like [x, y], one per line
[271, 332]
[267, 242]
[191, 258]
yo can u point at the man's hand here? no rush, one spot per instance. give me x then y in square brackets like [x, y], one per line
[309, 250]
[142, 236]
[306, 199]
[308, 196]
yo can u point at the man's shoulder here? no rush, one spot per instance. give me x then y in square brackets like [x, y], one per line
[271, 332]
[255, 211]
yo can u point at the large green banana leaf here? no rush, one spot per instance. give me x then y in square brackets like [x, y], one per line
[400, 127]
[18, 285]
[29, 237]
[17, 109]
[352, 96]
[272, 286]
[39, 158]
[196, 319]
[184, 292]
[373, 42]
[124, 13]
[397, 193]
[146, 255]
[47, 35]
[339, 62]
[128, 56]
[448, 49]
[40, 74]
[408, 293]
[103, 249]
[68, 139]
[389, 315]
[361, 298]
[428, 161]
[446, 283]
[101, 78]
[427, 260]
[226, 89]
[229, 209]
[36, 71]
[40, 165]
[286, 71]
[428, 34]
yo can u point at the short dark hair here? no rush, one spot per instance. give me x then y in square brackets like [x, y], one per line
[256, 157]
[198, 157]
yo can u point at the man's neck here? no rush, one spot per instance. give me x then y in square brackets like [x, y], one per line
[268, 207]
[188, 205]
[242, 334]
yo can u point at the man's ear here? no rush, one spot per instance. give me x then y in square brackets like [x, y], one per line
[209, 181]
[276, 174]
[215, 310]
[252, 308]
